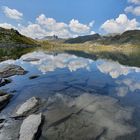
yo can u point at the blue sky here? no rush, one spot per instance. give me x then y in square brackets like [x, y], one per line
[70, 18]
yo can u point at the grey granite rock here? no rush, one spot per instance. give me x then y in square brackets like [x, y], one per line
[4, 99]
[30, 126]
[10, 70]
[29, 105]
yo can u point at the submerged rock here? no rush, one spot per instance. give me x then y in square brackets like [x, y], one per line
[26, 107]
[33, 77]
[2, 122]
[31, 59]
[30, 127]
[3, 82]
[8, 70]
[86, 117]
[4, 99]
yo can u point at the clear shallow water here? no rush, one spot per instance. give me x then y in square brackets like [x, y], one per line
[71, 75]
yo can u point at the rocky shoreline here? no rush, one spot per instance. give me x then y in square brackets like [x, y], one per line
[63, 117]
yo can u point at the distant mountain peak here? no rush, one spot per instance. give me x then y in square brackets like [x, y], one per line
[128, 37]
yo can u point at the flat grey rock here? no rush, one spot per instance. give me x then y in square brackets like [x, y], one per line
[4, 99]
[30, 126]
[27, 106]
[3, 81]
[8, 70]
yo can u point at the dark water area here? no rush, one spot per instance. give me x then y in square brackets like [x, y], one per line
[71, 75]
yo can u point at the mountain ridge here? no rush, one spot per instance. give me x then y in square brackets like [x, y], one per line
[128, 37]
[12, 38]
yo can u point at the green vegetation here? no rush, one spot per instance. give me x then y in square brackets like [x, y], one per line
[11, 36]
[13, 44]
[13, 53]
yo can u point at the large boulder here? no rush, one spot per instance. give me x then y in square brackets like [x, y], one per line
[3, 81]
[28, 106]
[4, 99]
[8, 70]
[30, 127]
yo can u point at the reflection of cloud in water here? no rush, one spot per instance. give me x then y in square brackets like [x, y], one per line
[114, 69]
[97, 113]
[49, 62]
[127, 85]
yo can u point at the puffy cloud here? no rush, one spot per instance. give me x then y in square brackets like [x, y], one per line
[45, 26]
[134, 1]
[92, 32]
[91, 23]
[51, 23]
[33, 30]
[49, 26]
[12, 13]
[120, 24]
[133, 10]
[7, 26]
[77, 27]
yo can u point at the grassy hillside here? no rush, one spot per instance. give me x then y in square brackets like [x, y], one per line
[13, 44]
[9, 37]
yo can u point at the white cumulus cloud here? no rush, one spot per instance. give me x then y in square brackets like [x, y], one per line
[7, 26]
[120, 24]
[78, 27]
[133, 10]
[12, 13]
[134, 1]
[33, 30]
[45, 26]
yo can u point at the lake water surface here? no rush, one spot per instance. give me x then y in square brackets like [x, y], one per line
[73, 76]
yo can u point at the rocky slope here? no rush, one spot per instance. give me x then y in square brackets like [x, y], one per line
[128, 37]
[12, 38]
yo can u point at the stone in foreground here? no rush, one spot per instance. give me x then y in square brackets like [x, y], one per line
[3, 82]
[27, 106]
[4, 99]
[11, 70]
[30, 127]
